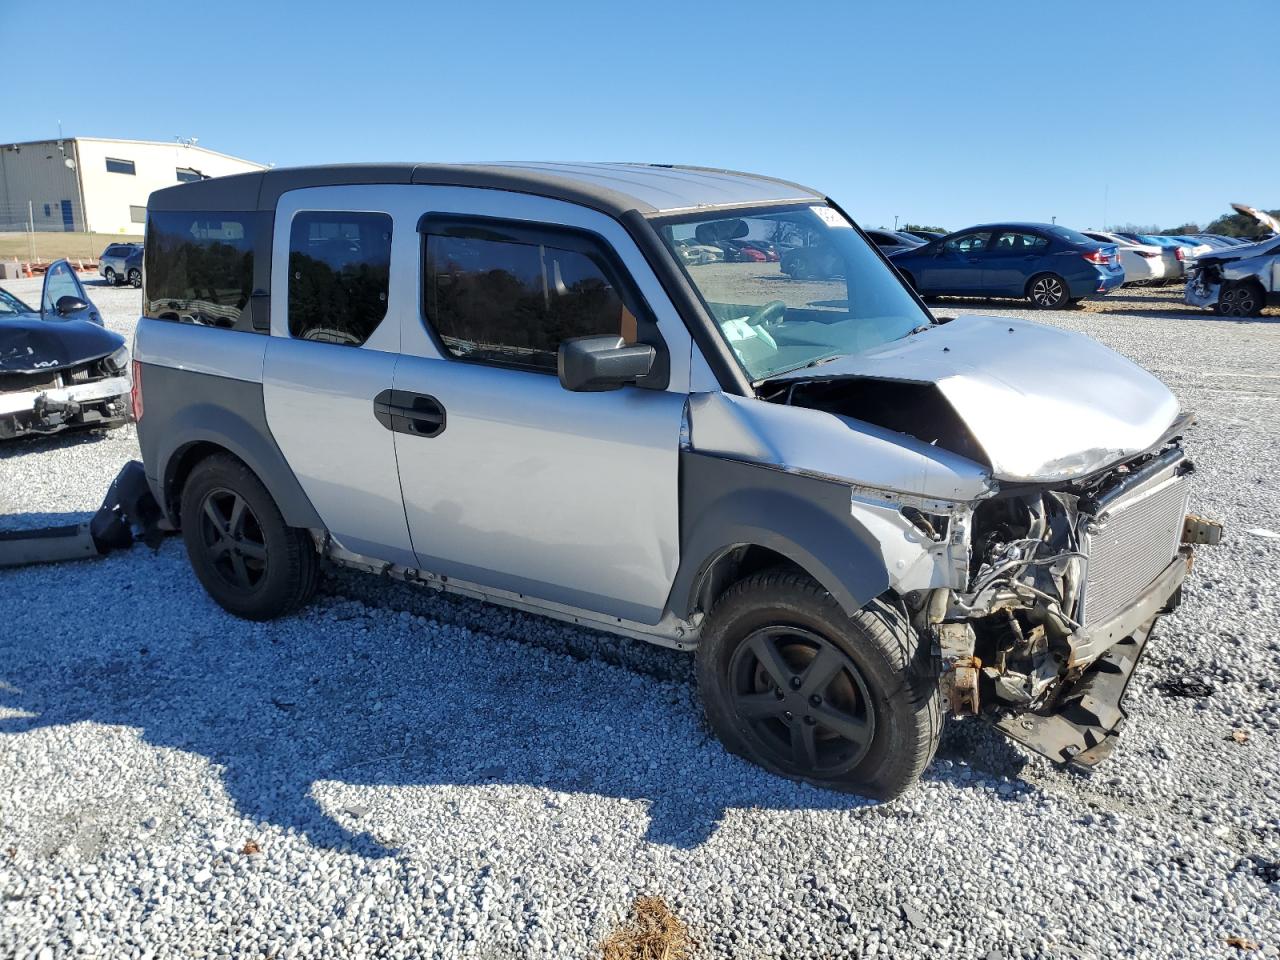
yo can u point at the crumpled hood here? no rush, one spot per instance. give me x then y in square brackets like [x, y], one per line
[31, 345]
[1044, 404]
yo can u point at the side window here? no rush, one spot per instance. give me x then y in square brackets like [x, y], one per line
[120, 166]
[510, 295]
[969, 243]
[199, 266]
[1014, 244]
[339, 275]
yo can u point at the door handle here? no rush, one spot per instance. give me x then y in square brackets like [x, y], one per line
[416, 414]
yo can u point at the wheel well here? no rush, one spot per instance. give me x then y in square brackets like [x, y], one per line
[180, 467]
[732, 565]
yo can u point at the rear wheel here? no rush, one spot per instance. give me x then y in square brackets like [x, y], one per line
[135, 278]
[1048, 291]
[244, 554]
[791, 682]
[109, 275]
[1239, 298]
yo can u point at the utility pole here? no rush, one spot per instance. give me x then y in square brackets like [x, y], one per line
[1106, 189]
[31, 235]
[895, 222]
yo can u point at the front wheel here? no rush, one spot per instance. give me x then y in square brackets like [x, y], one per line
[1239, 298]
[135, 278]
[791, 682]
[1049, 292]
[244, 554]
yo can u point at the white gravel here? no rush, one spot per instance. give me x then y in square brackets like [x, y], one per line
[427, 776]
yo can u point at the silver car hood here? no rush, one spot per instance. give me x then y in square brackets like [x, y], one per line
[1044, 404]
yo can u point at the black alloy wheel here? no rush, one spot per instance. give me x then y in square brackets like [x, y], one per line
[1239, 299]
[804, 701]
[232, 535]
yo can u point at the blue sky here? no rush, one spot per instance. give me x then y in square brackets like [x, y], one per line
[947, 113]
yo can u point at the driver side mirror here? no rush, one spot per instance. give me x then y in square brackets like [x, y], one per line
[68, 305]
[594, 364]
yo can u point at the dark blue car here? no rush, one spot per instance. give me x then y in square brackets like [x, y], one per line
[1051, 266]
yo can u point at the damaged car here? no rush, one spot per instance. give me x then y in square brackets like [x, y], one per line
[59, 367]
[510, 382]
[1237, 281]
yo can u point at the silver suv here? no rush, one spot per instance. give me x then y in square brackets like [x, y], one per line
[511, 382]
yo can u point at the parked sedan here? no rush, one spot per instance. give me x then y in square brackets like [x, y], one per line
[1052, 266]
[1142, 262]
[891, 242]
[121, 263]
[58, 367]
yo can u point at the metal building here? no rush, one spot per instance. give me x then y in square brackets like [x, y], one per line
[96, 184]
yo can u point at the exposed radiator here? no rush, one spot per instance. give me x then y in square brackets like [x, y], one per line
[1133, 539]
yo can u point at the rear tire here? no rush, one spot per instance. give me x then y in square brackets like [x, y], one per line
[109, 275]
[1240, 298]
[244, 554]
[870, 727]
[1048, 291]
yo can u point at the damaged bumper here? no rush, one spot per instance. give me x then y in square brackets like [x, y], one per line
[1081, 726]
[102, 402]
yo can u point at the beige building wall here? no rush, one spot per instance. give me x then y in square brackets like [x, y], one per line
[115, 202]
[35, 178]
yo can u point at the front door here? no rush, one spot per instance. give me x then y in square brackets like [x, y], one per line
[957, 266]
[509, 480]
[63, 296]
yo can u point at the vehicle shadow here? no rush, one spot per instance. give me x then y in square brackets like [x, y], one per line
[363, 696]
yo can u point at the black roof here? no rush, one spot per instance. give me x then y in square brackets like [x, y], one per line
[614, 188]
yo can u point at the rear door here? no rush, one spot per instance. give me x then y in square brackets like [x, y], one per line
[1013, 258]
[63, 296]
[335, 337]
[511, 481]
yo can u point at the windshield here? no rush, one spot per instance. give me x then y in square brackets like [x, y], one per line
[791, 287]
[11, 305]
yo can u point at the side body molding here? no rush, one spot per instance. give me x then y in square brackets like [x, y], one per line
[184, 408]
[728, 503]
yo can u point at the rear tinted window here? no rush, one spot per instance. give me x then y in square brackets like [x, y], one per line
[1071, 236]
[199, 266]
[339, 273]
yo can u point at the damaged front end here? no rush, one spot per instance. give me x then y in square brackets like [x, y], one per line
[1064, 585]
[90, 394]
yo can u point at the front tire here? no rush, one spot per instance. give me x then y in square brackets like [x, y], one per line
[244, 554]
[791, 682]
[1239, 298]
[135, 278]
[1048, 291]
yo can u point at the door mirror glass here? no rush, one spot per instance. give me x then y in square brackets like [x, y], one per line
[70, 304]
[592, 364]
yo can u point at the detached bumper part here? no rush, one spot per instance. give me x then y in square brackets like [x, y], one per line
[128, 513]
[1081, 727]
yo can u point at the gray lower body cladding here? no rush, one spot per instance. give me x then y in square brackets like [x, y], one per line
[183, 410]
[727, 504]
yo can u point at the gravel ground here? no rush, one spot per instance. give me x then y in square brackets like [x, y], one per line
[400, 774]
